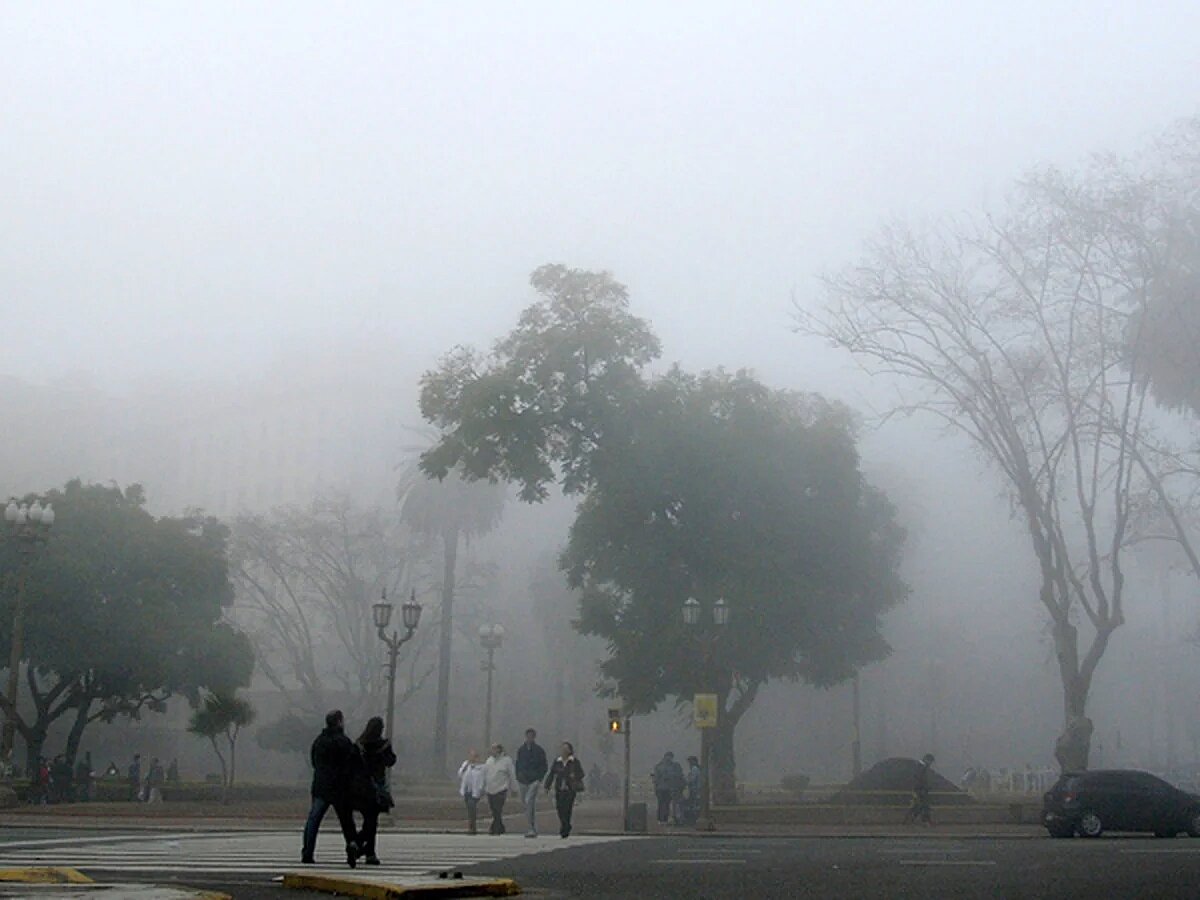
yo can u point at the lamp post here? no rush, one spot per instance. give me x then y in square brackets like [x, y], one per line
[410, 617]
[708, 639]
[490, 638]
[29, 525]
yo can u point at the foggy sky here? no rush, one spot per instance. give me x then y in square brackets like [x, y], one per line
[198, 189]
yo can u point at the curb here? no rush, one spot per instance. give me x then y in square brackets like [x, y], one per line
[44, 875]
[379, 890]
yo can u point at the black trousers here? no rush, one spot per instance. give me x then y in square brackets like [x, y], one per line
[664, 806]
[564, 802]
[320, 806]
[370, 828]
[496, 804]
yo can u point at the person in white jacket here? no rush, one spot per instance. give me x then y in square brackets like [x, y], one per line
[500, 777]
[471, 777]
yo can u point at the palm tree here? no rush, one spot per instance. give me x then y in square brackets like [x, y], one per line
[447, 511]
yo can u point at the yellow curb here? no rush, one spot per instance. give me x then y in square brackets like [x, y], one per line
[45, 875]
[377, 890]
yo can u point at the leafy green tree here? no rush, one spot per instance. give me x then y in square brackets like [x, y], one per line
[709, 486]
[222, 715]
[740, 493]
[123, 610]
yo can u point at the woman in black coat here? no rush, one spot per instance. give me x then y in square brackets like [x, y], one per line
[371, 794]
[566, 780]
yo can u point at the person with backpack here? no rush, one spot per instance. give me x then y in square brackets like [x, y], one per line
[371, 793]
[566, 780]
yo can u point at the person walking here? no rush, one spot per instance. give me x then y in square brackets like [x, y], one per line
[921, 810]
[695, 781]
[471, 777]
[500, 777]
[371, 793]
[332, 757]
[134, 777]
[661, 776]
[531, 769]
[566, 780]
[155, 778]
[83, 778]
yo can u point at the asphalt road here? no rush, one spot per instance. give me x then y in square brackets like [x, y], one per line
[722, 867]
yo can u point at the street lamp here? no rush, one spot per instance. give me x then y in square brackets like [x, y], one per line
[490, 638]
[29, 526]
[708, 640]
[410, 617]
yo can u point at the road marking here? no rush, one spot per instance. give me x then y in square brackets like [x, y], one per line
[698, 862]
[1161, 850]
[947, 862]
[274, 853]
[715, 851]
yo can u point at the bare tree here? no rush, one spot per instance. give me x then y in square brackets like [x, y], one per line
[306, 581]
[1013, 330]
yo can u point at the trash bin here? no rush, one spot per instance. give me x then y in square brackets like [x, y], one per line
[636, 820]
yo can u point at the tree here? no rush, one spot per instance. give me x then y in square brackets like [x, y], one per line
[222, 715]
[123, 611]
[1015, 330]
[740, 493]
[446, 511]
[306, 580]
[563, 398]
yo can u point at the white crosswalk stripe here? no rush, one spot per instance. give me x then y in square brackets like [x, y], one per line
[273, 853]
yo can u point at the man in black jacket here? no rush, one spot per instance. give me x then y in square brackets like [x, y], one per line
[333, 766]
[531, 769]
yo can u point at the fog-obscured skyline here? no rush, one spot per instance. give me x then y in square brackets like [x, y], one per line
[198, 190]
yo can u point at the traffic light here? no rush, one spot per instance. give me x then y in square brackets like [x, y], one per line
[614, 721]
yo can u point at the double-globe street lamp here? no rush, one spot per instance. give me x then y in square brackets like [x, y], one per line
[410, 617]
[490, 638]
[708, 640]
[28, 525]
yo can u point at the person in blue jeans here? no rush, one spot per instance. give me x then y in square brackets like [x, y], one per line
[531, 769]
[333, 760]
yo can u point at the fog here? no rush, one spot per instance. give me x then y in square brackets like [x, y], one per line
[236, 234]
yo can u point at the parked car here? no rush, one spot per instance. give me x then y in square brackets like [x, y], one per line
[1090, 803]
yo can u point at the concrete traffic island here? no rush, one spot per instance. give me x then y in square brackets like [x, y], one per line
[443, 885]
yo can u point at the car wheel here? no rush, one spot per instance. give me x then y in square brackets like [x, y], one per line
[1193, 827]
[1090, 825]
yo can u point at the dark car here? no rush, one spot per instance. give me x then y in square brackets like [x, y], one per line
[1090, 803]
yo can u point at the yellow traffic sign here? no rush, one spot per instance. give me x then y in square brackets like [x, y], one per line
[704, 710]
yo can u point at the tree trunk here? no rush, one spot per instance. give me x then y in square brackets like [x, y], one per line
[724, 768]
[35, 740]
[441, 729]
[76, 734]
[1073, 745]
[212, 739]
[232, 762]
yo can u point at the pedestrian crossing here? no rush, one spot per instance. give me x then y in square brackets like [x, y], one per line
[274, 853]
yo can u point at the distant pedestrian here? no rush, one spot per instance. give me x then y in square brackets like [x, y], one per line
[371, 792]
[156, 777]
[663, 779]
[500, 777]
[134, 777]
[173, 771]
[471, 778]
[60, 780]
[921, 810]
[695, 780]
[566, 781]
[84, 778]
[531, 769]
[332, 757]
